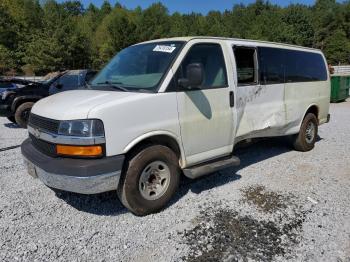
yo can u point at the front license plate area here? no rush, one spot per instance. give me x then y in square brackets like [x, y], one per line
[31, 169]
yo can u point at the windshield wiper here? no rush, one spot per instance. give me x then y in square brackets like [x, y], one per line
[115, 85]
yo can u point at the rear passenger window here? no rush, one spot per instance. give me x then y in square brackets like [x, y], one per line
[304, 67]
[246, 64]
[278, 65]
[212, 59]
[271, 65]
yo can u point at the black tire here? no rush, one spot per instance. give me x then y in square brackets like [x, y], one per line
[12, 119]
[22, 114]
[305, 140]
[130, 184]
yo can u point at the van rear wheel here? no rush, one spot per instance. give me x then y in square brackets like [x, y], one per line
[150, 179]
[305, 140]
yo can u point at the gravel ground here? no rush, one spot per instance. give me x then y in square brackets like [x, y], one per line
[278, 205]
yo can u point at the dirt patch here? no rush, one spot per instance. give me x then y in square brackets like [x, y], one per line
[226, 235]
[264, 200]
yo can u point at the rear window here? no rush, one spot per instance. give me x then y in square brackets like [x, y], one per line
[289, 66]
[304, 67]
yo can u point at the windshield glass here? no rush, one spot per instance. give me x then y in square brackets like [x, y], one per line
[138, 68]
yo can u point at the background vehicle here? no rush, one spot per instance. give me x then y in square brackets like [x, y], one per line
[5, 85]
[16, 103]
[173, 106]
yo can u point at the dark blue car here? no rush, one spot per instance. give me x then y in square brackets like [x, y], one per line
[6, 85]
[19, 95]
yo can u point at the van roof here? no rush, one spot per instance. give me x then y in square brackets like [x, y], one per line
[263, 43]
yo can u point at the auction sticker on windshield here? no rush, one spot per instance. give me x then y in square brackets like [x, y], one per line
[164, 48]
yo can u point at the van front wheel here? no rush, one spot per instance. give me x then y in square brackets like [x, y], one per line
[150, 179]
[305, 140]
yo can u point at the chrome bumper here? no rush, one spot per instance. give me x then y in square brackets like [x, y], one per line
[84, 176]
[83, 185]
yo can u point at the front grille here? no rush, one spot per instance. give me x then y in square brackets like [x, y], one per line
[43, 146]
[44, 124]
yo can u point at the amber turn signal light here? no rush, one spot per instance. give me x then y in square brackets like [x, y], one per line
[84, 151]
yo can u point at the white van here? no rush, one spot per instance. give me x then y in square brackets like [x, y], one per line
[176, 106]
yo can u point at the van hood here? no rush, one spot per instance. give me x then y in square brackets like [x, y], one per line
[77, 104]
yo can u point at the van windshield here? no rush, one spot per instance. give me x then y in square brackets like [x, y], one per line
[137, 68]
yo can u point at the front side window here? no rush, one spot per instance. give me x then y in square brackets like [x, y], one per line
[246, 65]
[210, 56]
[69, 82]
[89, 76]
[138, 68]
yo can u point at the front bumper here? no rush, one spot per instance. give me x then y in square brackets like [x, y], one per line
[85, 176]
[5, 110]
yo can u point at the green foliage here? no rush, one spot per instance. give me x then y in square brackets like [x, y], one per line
[117, 31]
[44, 35]
[6, 60]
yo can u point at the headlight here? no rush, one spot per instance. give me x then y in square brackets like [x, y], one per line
[82, 128]
[5, 94]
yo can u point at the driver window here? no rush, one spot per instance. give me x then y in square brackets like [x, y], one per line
[69, 82]
[212, 59]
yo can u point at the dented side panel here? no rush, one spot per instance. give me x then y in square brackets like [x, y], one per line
[261, 110]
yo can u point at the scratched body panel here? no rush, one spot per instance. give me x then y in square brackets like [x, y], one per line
[260, 109]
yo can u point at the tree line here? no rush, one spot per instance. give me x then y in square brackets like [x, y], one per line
[41, 36]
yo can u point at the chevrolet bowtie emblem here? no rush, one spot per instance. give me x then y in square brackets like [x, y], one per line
[36, 133]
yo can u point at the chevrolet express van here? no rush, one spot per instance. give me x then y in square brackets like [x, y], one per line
[172, 107]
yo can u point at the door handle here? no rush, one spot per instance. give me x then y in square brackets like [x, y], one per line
[232, 99]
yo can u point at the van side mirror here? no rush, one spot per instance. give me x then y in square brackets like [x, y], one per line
[195, 76]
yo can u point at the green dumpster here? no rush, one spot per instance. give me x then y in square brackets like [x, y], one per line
[340, 86]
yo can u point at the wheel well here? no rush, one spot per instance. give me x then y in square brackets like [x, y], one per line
[312, 109]
[156, 140]
[22, 101]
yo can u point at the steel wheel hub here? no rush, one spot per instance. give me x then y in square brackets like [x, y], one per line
[154, 180]
[310, 132]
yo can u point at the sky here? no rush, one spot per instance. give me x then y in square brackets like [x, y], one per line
[187, 6]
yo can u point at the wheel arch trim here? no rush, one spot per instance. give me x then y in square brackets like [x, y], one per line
[154, 134]
[308, 109]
